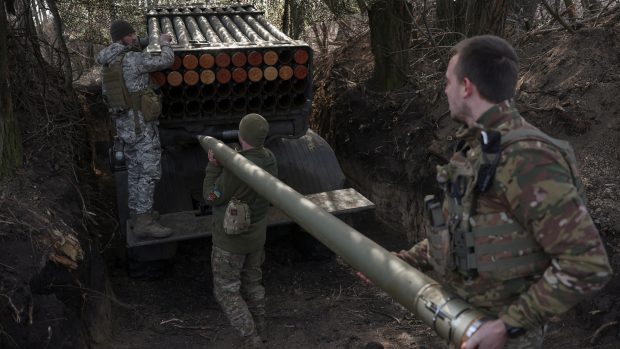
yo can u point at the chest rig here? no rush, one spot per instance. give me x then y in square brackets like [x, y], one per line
[119, 99]
[476, 239]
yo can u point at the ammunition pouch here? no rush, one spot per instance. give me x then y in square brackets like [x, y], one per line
[148, 102]
[237, 217]
[439, 240]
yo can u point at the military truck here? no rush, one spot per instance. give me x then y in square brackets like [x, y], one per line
[229, 61]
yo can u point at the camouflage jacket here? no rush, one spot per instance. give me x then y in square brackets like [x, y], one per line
[532, 188]
[220, 185]
[137, 65]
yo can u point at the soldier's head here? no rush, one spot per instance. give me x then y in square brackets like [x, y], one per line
[484, 67]
[122, 31]
[253, 130]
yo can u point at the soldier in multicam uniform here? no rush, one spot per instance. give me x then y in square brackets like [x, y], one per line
[236, 259]
[513, 236]
[134, 126]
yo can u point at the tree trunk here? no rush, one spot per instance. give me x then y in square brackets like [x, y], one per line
[390, 34]
[286, 17]
[62, 47]
[590, 6]
[474, 17]
[10, 138]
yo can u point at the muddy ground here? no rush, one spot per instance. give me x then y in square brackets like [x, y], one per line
[387, 145]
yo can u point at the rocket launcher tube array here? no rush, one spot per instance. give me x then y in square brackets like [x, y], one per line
[450, 317]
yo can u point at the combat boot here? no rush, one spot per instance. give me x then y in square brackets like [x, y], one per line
[146, 227]
[132, 217]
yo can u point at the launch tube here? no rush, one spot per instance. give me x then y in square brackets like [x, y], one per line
[224, 90]
[285, 56]
[449, 316]
[255, 58]
[254, 103]
[285, 72]
[254, 88]
[192, 108]
[223, 75]
[194, 29]
[224, 105]
[272, 29]
[175, 93]
[166, 26]
[284, 101]
[239, 75]
[208, 91]
[223, 34]
[300, 85]
[300, 72]
[269, 102]
[285, 86]
[177, 109]
[259, 28]
[153, 28]
[232, 28]
[247, 29]
[212, 36]
[192, 92]
[181, 31]
[208, 106]
[270, 86]
[239, 104]
[240, 89]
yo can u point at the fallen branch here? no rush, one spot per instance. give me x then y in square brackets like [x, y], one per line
[598, 334]
[386, 314]
[557, 17]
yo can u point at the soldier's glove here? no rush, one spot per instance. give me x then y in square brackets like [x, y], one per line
[406, 256]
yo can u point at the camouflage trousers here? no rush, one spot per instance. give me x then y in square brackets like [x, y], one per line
[143, 159]
[237, 286]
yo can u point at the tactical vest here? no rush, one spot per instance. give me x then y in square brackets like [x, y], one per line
[115, 92]
[491, 243]
[119, 99]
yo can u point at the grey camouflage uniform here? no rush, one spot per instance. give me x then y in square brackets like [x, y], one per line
[142, 150]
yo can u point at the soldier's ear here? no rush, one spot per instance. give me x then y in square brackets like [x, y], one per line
[468, 88]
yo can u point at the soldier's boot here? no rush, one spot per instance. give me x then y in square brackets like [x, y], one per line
[132, 217]
[147, 227]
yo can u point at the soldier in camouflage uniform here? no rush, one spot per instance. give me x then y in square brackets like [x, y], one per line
[236, 259]
[140, 137]
[513, 236]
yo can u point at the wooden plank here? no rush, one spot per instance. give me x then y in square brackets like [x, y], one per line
[187, 225]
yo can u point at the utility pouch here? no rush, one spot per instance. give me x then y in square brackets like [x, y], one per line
[150, 104]
[237, 217]
[439, 240]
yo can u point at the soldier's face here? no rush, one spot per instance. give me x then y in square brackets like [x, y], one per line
[454, 90]
[131, 39]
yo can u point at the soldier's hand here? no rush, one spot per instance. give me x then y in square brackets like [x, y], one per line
[212, 158]
[165, 38]
[364, 278]
[491, 335]
[404, 255]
